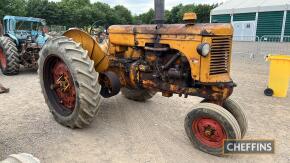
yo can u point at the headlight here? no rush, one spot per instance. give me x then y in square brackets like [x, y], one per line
[203, 49]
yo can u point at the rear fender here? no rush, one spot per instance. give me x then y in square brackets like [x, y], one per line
[96, 52]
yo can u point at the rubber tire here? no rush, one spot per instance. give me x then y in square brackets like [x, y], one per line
[269, 92]
[21, 158]
[13, 61]
[85, 80]
[140, 95]
[225, 118]
[237, 110]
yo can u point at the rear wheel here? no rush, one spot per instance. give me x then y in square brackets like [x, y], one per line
[9, 57]
[137, 94]
[207, 125]
[69, 82]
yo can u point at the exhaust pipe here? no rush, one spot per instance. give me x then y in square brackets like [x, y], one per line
[159, 11]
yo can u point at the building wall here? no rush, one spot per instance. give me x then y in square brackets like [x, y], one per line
[225, 18]
[270, 23]
[244, 17]
[287, 25]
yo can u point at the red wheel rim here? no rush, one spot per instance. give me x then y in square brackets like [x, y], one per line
[63, 85]
[209, 132]
[3, 60]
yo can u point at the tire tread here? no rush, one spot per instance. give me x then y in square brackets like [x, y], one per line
[13, 59]
[89, 89]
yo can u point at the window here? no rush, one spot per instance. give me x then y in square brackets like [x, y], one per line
[23, 25]
[36, 26]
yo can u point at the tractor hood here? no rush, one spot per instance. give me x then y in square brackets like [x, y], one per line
[174, 29]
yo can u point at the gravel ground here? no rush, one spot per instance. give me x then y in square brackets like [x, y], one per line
[127, 131]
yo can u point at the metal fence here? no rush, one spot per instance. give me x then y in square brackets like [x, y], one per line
[259, 47]
[274, 38]
[246, 38]
[56, 30]
[245, 46]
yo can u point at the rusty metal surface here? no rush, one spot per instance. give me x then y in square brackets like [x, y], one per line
[29, 54]
[213, 93]
[145, 56]
[173, 29]
[96, 52]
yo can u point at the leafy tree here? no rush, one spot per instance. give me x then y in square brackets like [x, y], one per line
[146, 18]
[202, 11]
[174, 15]
[81, 13]
[75, 13]
[104, 14]
[123, 14]
[44, 9]
[12, 7]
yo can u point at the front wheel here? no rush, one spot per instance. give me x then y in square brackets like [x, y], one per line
[208, 125]
[237, 110]
[69, 82]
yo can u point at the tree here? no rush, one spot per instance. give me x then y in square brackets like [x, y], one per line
[146, 18]
[75, 13]
[81, 13]
[202, 11]
[103, 12]
[174, 14]
[12, 7]
[123, 14]
[45, 10]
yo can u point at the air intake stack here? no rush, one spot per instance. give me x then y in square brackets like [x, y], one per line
[159, 11]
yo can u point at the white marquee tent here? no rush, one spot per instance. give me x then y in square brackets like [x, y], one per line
[255, 18]
[246, 6]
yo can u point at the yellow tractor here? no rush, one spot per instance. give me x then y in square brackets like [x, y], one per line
[140, 60]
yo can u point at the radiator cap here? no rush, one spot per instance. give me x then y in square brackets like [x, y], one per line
[189, 17]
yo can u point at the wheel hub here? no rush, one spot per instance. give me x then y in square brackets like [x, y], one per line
[209, 132]
[3, 60]
[63, 85]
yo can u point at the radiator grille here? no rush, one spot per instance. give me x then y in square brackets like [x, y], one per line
[220, 55]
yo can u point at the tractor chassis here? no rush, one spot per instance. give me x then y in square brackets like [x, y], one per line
[29, 54]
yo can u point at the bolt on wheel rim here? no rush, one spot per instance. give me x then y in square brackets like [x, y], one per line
[209, 132]
[63, 85]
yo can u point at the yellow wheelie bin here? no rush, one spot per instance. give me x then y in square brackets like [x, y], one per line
[279, 75]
